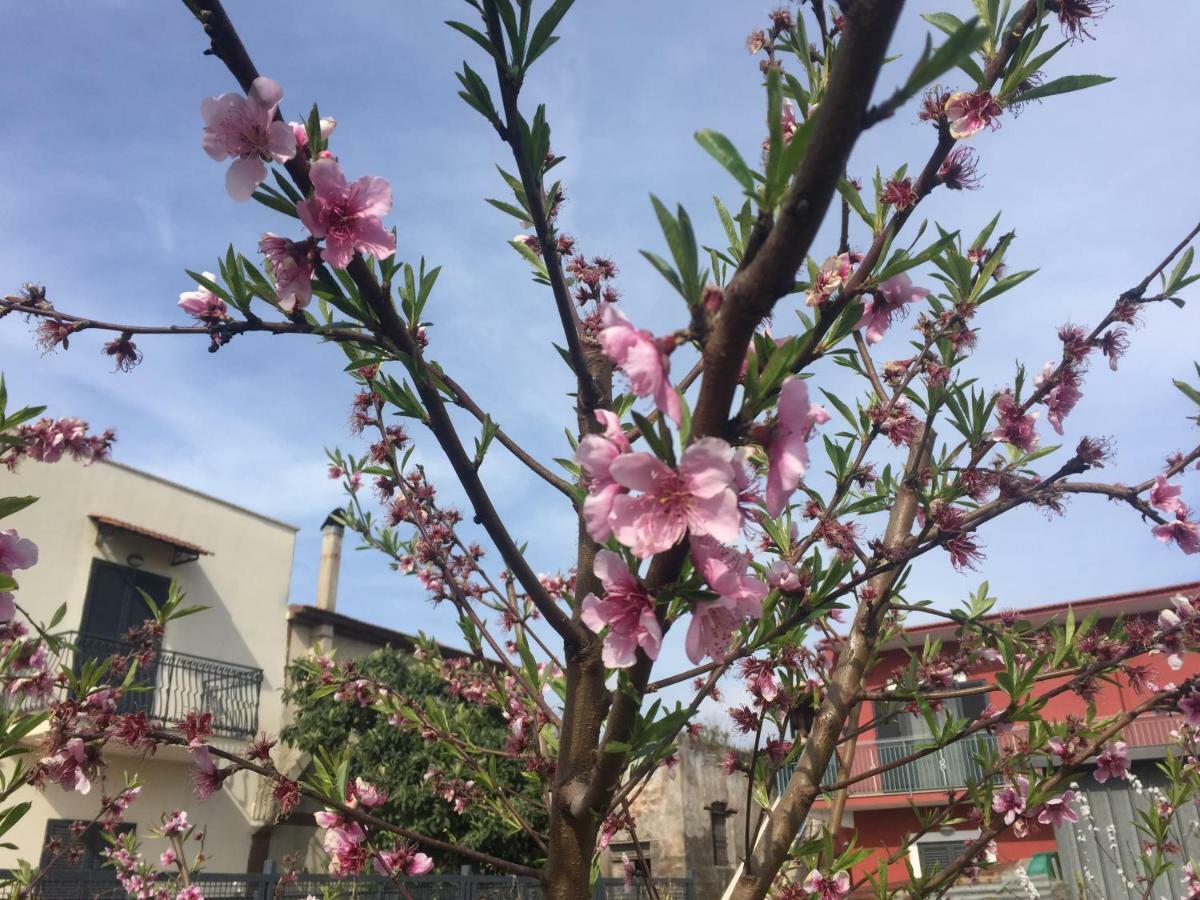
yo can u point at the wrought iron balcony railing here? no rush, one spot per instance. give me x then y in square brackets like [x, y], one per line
[175, 684]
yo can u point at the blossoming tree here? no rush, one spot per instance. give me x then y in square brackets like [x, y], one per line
[690, 487]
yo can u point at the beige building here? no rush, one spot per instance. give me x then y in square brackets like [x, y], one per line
[689, 820]
[106, 531]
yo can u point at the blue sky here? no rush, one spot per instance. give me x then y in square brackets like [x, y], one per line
[108, 198]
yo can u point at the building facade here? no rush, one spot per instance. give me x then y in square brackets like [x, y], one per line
[690, 820]
[880, 809]
[106, 533]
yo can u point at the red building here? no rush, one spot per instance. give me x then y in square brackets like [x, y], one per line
[879, 812]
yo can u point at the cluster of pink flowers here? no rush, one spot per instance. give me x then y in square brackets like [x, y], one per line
[1011, 802]
[458, 793]
[48, 440]
[346, 841]
[642, 357]
[246, 129]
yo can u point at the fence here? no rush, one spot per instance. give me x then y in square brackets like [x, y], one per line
[101, 884]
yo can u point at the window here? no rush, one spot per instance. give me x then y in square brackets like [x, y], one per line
[720, 841]
[939, 854]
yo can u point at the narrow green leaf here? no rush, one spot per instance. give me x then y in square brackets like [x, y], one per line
[1064, 85]
[723, 151]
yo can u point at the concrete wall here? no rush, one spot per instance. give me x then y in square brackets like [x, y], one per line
[245, 584]
[672, 817]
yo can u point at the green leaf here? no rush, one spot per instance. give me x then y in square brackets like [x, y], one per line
[963, 41]
[722, 150]
[943, 21]
[1188, 391]
[543, 39]
[10, 505]
[479, 39]
[518, 214]
[851, 195]
[1064, 85]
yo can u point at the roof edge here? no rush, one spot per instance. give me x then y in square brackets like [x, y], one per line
[363, 630]
[198, 493]
[1050, 609]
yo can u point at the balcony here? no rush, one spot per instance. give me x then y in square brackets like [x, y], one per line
[956, 765]
[176, 684]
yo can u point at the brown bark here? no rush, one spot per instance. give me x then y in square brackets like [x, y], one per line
[841, 697]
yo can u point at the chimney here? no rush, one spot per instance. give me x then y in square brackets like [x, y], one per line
[331, 561]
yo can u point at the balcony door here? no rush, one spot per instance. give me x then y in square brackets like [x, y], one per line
[900, 733]
[113, 605]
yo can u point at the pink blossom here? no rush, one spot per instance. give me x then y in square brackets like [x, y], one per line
[1013, 426]
[626, 609]
[1057, 810]
[167, 858]
[1010, 800]
[343, 843]
[67, 767]
[970, 112]
[725, 571]
[366, 795]
[785, 577]
[595, 454]
[347, 215]
[16, 552]
[642, 359]
[1189, 705]
[1113, 762]
[787, 443]
[177, 823]
[300, 130]
[244, 127]
[48, 439]
[402, 860]
[1184, 532]
[887, 303]
[1165, 497]
[191, 892]
[1191, 881]
[291, 268]
[698, 497]
[712, 626]
[835, 887]
[1062, 397]
[203, 304]
[8, 606]
[207, 778]
[834, 272]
